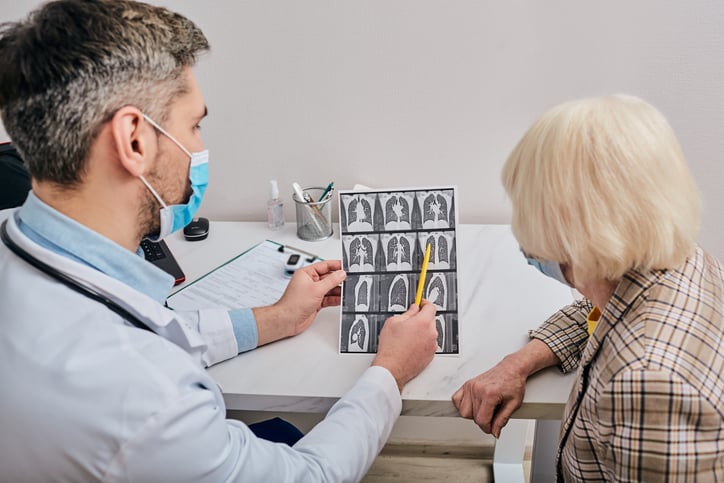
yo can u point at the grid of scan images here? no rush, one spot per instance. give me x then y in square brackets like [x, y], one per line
[384, 235]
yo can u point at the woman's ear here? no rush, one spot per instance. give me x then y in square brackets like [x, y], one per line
[134, 140]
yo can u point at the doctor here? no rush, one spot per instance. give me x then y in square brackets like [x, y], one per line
[99, 380]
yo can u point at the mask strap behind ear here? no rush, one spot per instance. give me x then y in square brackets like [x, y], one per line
[153, 192]
[165, 133]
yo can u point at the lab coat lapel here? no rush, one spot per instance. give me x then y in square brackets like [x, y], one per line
[161, 320]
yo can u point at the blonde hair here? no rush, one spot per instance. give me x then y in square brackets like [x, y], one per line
[602, 184]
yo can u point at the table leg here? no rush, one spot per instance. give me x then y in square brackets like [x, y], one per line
[510, 451]
[545, 444]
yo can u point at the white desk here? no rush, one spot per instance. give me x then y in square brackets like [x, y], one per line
[500, 297]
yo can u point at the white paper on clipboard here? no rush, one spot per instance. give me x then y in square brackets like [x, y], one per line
[253, 279]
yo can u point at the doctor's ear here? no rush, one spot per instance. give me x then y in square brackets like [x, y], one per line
[134, 139]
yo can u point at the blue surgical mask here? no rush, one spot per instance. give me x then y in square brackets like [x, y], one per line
[548, 268]
[175, 217]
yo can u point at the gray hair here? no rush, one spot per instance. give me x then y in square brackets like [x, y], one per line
[72, 64]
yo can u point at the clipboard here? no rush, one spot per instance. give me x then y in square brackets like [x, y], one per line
[254, 278]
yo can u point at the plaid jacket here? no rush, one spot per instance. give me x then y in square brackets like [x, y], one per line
[648, 404]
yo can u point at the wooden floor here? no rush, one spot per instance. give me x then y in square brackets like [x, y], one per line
[467, 458]
[427, 463]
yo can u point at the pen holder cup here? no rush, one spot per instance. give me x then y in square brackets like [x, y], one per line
[314, 218]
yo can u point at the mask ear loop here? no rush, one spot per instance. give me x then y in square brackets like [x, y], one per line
[164, 132]
[153, 192]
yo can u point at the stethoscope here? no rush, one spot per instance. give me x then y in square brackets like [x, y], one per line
[70, 282]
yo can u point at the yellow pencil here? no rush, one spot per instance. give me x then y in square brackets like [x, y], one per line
[423, 273]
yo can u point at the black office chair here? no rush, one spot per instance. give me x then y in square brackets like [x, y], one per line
[14, 177]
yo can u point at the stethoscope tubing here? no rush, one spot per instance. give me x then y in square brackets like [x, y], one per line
[69, 281]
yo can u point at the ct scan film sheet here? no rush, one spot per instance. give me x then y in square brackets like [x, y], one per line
[384, 234]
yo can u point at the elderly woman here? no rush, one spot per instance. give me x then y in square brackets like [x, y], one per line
[603, 201]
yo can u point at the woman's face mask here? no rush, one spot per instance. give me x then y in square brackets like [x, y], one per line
[548, 268]
[175, 217]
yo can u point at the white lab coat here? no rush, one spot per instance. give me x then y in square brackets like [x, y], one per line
[85, 396]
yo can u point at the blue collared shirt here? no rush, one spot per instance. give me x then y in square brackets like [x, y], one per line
[56, 232]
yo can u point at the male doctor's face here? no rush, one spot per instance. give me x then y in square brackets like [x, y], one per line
[170, 174]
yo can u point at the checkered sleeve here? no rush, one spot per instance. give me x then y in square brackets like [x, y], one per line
[566, 333]
[658, 428]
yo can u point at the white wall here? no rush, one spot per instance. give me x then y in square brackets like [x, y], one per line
[429, 92]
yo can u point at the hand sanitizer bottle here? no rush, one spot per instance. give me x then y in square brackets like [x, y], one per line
[275, 208]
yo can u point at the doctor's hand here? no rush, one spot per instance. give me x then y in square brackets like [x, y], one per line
[311, 288]
[492, 397]
[407, 343]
